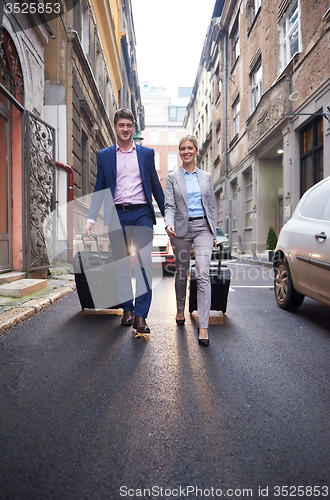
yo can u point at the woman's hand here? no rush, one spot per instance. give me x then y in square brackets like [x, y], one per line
[215, 243]
[170, 231]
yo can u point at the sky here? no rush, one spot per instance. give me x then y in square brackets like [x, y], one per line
[169, 40]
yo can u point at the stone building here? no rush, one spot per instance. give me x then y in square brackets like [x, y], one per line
[129, 94]
[26, 143]
[61, 80]
[90, 72]
[267, 67]
[164, 125]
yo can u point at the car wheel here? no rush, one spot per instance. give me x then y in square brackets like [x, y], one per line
[285, 294]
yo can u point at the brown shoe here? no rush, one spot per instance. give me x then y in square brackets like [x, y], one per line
[140, 325]
[127, 319]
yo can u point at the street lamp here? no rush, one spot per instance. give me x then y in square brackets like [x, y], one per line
[138, 137]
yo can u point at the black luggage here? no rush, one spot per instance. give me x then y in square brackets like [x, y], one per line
[220, 282]
[95, 277]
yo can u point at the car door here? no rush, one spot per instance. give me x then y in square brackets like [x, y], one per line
[316, 209]
[320, 258]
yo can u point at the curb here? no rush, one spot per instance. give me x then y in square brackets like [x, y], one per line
[13, 317]
[253, 260]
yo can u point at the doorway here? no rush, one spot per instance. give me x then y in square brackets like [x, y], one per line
[5, 187]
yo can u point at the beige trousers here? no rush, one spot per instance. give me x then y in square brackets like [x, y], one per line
[200, 236]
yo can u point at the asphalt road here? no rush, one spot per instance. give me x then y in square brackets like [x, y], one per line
[88, 412]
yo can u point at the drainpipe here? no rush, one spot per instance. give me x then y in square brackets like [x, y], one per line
[225, 110]
[69, 170]
[225, 86]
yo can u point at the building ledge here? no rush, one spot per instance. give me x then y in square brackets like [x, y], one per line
[217, 160]
[233, 141]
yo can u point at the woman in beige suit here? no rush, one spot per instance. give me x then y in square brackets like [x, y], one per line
[190, 220]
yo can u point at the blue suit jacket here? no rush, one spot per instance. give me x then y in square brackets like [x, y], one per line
[106, 181]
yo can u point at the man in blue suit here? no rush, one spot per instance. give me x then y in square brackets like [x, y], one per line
[126, 181]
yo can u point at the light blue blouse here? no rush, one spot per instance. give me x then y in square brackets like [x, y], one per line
[195, 206]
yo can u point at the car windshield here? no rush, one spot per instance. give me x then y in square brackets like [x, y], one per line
[220, 232]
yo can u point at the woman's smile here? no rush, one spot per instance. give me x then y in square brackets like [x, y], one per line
[188, 152]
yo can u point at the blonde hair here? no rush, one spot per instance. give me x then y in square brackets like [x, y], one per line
[190, 138]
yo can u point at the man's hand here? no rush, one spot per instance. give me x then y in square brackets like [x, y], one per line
[170, 231]
[89, 228]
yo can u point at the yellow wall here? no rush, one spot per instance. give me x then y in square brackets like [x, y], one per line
[107, 15]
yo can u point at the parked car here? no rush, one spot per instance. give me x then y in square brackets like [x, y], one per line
[162, 251]
[302, 255]
[226, 245]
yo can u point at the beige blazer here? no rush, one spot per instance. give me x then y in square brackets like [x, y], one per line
[176, 200]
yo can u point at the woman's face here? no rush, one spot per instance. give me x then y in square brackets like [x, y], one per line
[188, 153]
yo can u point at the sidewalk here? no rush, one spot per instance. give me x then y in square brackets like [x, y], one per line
[16, 310]
[259, 259]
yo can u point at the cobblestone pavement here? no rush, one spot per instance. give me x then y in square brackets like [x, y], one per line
[16, 310]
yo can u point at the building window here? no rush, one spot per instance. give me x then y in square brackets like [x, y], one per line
[256, 85]
[219, 140]
[181, 111]
[209, 161]
[172, 113]
[253, 8]
[176, 113]
[154, 136]
[311, 155]
[235, 41]
[234, 187]
[172, 161]
[157, 161]
[10, 67]
[85, 27]
[248, 199]
[236, 111]
[172, 138]
[84, 163]
[217, 85]
[218, 197]
[290, 33]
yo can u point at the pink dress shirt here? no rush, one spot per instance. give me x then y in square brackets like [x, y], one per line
[129, 187]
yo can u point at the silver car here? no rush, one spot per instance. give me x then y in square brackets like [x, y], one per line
[302, 255]
[223, 239]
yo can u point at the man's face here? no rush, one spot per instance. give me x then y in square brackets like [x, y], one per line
[124, 130]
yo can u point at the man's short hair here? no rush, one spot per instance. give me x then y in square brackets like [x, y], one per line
[124, 113]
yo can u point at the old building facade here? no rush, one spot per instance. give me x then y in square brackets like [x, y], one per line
[267, 67]
[90, 73]
[26, 140]
[62, 78]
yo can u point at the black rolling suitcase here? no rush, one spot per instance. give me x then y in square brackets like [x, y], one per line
[95, 277]
[220, 282]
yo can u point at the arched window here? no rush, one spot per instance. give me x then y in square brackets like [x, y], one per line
[11, 76]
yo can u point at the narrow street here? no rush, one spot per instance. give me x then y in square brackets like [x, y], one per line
[88, 412]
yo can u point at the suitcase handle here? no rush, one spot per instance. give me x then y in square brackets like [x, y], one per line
[219, 245]
[93, 236]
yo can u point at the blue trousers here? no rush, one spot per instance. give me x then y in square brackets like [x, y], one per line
[136, 229]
